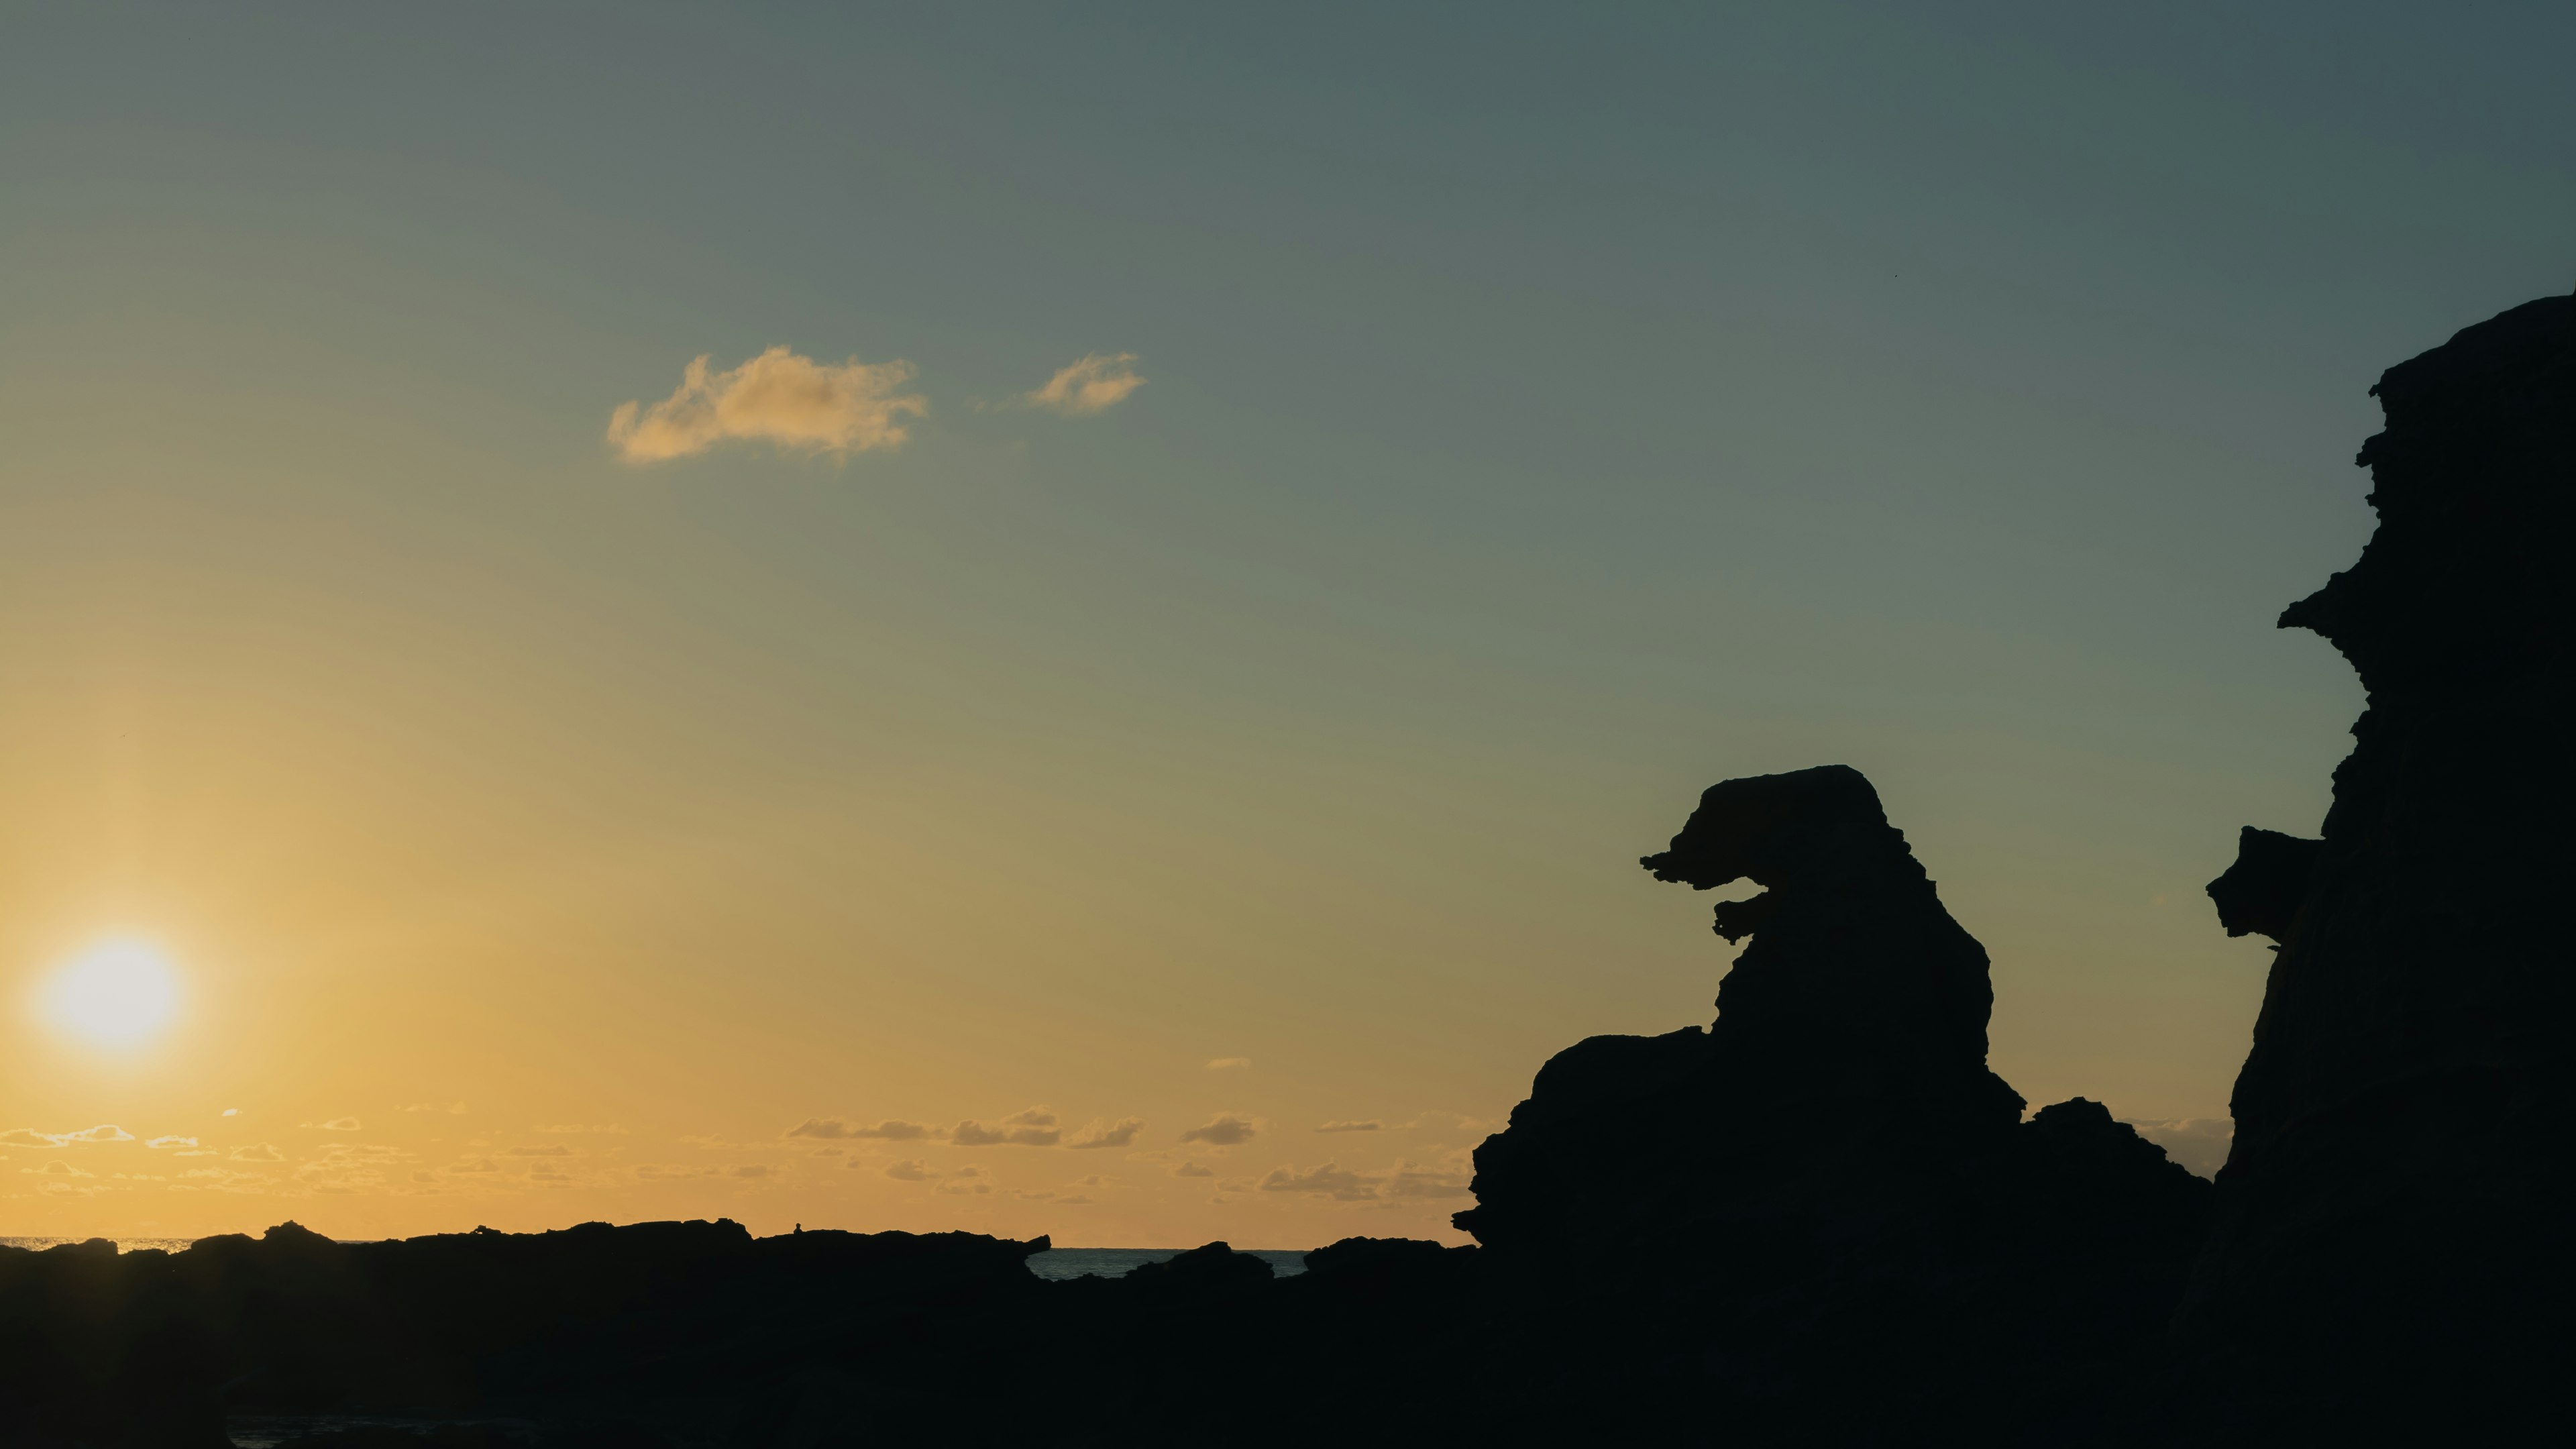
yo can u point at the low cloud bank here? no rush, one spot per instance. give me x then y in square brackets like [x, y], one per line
[2199, 1144]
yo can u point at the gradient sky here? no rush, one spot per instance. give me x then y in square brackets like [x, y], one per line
[1546, 412]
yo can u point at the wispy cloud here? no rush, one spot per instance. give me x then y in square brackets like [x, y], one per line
[1407, 1179]
[911, 1169]
[30, 1137]
[778, 397]
[1121, 1133]
[1230, 1064]
[1225, 1129]
[2199, 1144]
[832, 1129]
[1034, 1127]
[172, 1142]
[1095, 384]
[1328, 1178]
[1370, 1125]
[336, 1124]
[258, 1152]
[220, 1179]
[451, 1109]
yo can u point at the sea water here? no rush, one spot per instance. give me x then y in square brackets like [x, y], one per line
[1061, 1263]
[123, 1245]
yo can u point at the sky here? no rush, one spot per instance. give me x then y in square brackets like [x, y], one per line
[1072, 619]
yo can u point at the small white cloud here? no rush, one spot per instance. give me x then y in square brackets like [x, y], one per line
[336, 1124]
[1095, 384]
[1230, 1064]
[260, 1152]
[450, 1109]
[232, 1111]
[1370, 1125]
[172, 1142]
[104, 1132]
[777, 397]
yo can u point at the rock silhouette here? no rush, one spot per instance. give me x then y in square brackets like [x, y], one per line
[2391, 1236]
[1824, 1209]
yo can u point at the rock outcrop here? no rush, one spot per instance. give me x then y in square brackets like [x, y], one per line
[2392, 1223]
[1824, 1209]
[1850, 1044]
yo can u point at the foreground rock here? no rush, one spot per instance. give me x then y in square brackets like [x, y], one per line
[698, 1336]
[2392, 1236]
[1824, 1214]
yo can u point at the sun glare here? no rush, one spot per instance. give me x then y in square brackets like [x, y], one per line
[117, 993]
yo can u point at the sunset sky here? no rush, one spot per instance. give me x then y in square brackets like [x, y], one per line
[1072, 619]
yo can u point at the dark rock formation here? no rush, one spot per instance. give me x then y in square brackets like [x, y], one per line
[2392, 1226]
[1850, 1042]
[602, 1324]
[1215, 1268]
[2264, 891]
[1824, 1210]
[699, 1336]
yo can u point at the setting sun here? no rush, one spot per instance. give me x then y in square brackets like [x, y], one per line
[117, 993]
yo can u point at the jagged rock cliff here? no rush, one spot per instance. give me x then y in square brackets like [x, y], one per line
[2392, 1222]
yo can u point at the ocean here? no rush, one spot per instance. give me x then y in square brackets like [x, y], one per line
[123, 1245]
[1054, 1264]
[1061, 1263]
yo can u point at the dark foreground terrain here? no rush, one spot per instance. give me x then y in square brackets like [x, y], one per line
[1820, 1220]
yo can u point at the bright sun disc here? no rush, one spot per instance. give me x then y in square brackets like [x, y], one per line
[117, 993]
